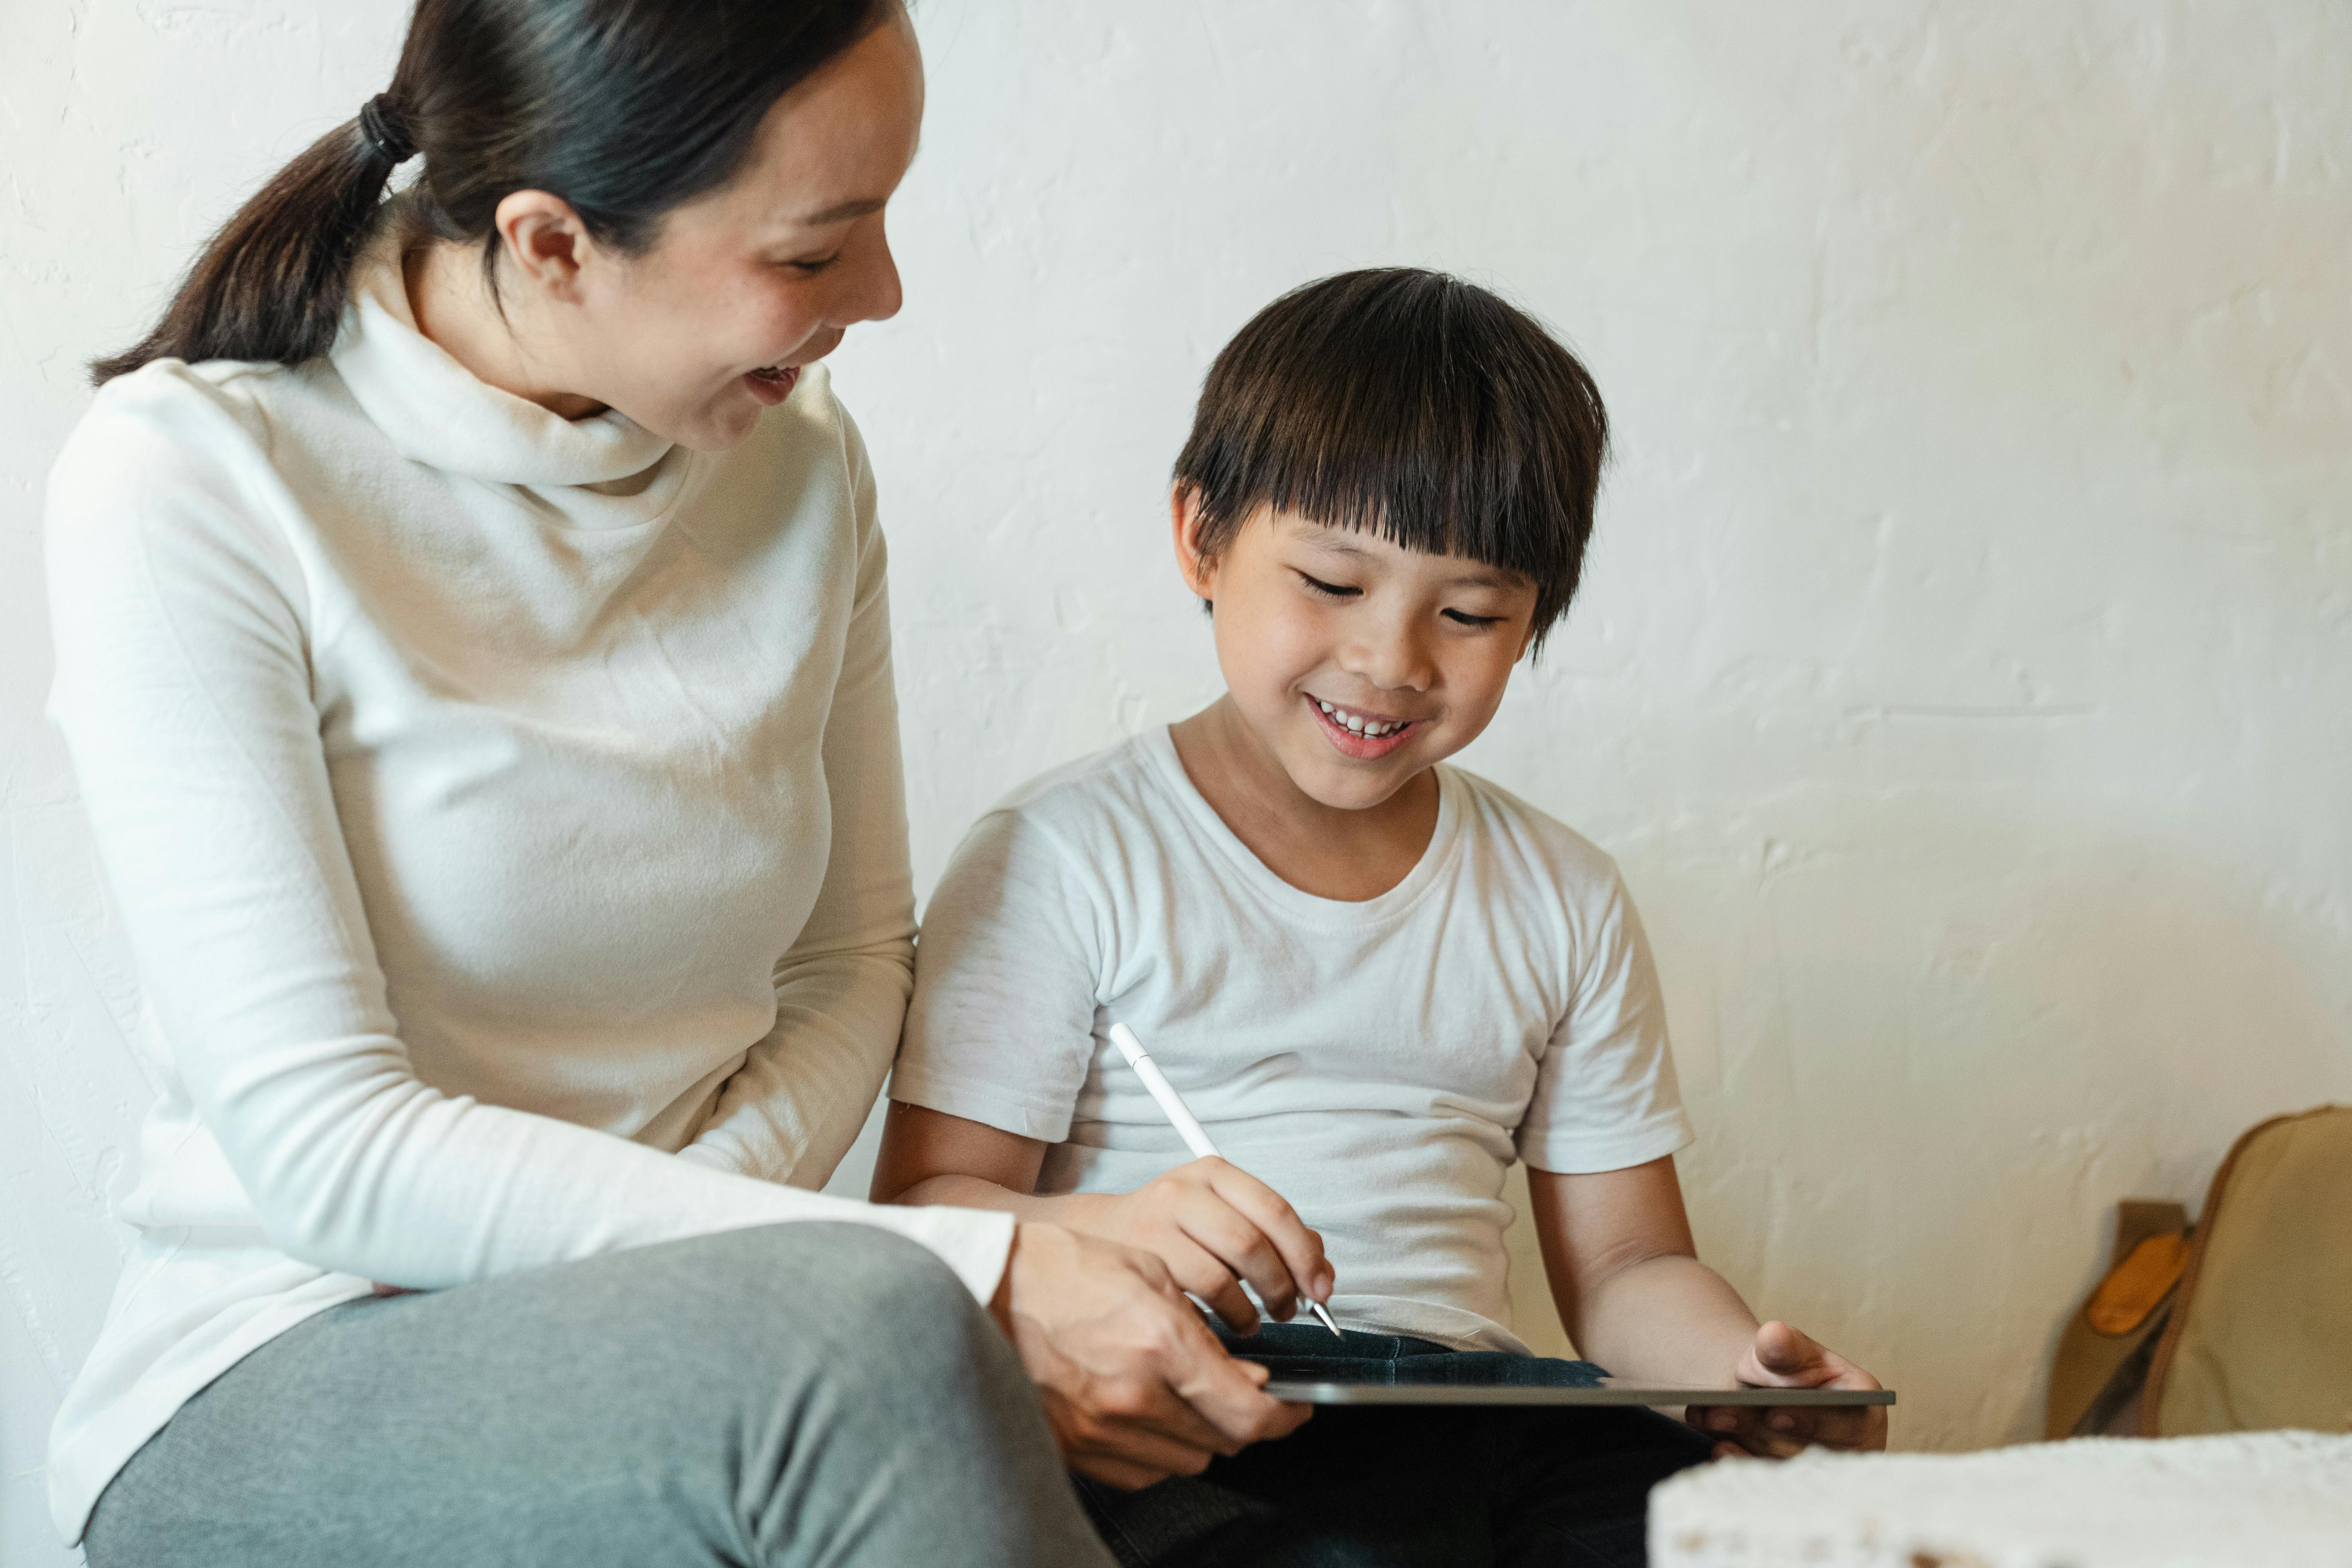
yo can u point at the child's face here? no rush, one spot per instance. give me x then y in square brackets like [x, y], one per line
[1356, 662]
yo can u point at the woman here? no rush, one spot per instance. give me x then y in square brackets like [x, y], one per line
[473, 648]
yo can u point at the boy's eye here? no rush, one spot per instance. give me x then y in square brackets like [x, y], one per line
[1464, 618]
[1329, 590]
[812, 265]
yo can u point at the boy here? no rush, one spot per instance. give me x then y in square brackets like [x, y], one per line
[1376, 979]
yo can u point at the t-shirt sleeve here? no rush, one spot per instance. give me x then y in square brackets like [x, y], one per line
[1605, 1094]
[1002, 1026]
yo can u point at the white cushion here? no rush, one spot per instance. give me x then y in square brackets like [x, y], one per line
[2283, 1500]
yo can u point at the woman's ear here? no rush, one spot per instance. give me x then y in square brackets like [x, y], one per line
[1199, 569]
[544, 240]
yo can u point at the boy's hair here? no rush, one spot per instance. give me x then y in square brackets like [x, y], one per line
[1413, 406]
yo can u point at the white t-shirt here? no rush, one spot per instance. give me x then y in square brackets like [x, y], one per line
[505, 814]
[1379, 1063]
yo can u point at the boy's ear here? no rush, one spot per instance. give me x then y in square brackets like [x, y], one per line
[1199, 571]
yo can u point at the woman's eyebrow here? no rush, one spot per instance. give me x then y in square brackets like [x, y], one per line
[839, 212]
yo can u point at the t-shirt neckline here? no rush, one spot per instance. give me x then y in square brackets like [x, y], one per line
[1158, 748]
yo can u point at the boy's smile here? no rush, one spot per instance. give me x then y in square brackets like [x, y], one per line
[1351, 665]
[1367, 737]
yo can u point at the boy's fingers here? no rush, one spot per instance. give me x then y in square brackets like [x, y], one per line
[1232, 1304]
[1743, 1428]
[1780, 1357]
[1301, 1248]
[1785, 1350]
[1201, 1273]
[1240, 1247]
[1777, 1432]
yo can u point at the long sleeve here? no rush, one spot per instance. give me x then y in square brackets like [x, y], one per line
[185, 689]
[793, 1108]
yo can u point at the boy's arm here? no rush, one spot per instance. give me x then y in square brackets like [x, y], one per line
[930, 1157]
[1635, 1296]
[1212, 1224]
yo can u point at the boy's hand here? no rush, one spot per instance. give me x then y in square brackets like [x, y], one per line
[1135, 1386]
[1783, 1358]
[1214, 1224]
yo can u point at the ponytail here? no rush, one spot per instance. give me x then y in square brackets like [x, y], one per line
[623, 108]
[271, 284]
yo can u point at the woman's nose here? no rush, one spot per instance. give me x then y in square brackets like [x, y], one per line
[876, 293]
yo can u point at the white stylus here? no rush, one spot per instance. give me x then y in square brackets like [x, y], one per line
[1180, 1116]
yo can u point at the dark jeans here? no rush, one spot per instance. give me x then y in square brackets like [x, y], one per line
[1410, 1487]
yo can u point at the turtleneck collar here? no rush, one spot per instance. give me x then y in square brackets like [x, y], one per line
[437, 412]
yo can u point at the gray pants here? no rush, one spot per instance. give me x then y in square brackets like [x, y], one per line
[799, 1393]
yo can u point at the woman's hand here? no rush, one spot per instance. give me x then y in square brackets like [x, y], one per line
[1214, 1224]
[1135, 1385]
[1783, 1358]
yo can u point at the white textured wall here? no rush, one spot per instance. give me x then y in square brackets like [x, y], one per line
[1963, 673]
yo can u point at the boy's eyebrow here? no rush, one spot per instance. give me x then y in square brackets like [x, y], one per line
[1475, 574]
[1488, 577]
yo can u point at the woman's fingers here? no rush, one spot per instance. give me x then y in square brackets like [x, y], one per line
[1170, 1441]
[1113, 1471]
[1229, 1393]
[1132, 1379]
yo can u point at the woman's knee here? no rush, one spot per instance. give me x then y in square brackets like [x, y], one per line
[835, 1288]
[858, 1270]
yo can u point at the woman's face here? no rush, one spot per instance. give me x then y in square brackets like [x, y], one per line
[746, 284]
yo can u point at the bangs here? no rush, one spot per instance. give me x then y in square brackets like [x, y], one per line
[1411, 406]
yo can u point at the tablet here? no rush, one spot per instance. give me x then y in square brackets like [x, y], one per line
[1307, 1391]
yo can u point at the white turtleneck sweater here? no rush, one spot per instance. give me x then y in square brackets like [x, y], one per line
[505, 814]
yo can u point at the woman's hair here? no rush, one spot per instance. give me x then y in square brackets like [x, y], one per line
[1413, 406]
[623, 108]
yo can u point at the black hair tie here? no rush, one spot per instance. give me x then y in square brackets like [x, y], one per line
[387, 130]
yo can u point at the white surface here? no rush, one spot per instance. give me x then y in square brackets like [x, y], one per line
[1960, 677]
[2283, 1500]
[1380, 1063]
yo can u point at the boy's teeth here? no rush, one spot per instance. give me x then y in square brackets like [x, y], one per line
[1357, 723]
